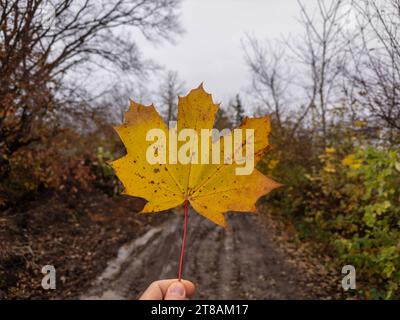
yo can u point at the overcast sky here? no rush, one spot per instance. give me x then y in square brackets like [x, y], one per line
[210, 50]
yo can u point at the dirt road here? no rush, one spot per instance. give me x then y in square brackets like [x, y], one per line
[242, 262]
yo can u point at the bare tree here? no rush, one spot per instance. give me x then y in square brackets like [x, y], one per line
[169, 90]
[36, 56]
[296, 79]
[270, 83]
[322, 52]
[377, 71]
[114, 103]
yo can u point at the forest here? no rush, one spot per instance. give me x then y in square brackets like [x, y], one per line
[334, 99]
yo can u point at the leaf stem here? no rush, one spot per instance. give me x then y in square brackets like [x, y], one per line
[186, 205]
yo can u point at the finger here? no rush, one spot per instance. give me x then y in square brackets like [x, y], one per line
[158, 289]
[164, 285]
[176, 291]
[153, 292]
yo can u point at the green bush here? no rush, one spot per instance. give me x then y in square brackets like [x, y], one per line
[352, 202]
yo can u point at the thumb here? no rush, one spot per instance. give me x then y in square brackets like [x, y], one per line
[176, 291]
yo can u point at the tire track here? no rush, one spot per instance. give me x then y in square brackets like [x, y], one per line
[241, 262]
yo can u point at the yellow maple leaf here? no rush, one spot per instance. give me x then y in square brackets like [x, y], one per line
[211, 188]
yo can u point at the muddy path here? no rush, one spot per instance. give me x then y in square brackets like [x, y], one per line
[241, 262]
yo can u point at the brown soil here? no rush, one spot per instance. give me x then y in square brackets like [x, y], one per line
[78, 235]
[241, 262]
[102, 249]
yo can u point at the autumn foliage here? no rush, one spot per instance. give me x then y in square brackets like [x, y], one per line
[211, 188]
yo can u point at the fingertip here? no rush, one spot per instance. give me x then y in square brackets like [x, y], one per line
[176, 291]
[158, 290]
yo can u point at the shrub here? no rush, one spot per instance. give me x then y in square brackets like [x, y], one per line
[351, 202]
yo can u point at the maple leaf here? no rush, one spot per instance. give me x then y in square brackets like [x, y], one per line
[212, 189]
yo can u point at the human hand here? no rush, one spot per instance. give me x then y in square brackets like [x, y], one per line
[170, 289]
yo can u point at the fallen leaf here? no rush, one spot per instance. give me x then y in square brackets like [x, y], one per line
[211, 189]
